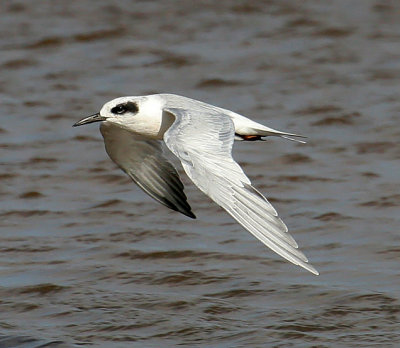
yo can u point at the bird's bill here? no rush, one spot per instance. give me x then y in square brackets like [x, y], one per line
[90, 119]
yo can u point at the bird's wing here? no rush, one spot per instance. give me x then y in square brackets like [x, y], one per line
[203, 140]
[144, 162]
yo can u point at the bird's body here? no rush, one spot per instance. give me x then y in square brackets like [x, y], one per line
[152, 122]
[201, 136]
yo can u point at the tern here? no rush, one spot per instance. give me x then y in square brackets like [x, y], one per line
[201, 136]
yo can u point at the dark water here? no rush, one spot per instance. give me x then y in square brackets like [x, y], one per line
[87, 259]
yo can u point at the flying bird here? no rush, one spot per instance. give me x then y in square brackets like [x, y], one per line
[201, 136]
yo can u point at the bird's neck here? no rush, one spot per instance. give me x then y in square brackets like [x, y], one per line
[151, 125]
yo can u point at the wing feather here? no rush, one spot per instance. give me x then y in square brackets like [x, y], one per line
[144, 162]
[202, 139]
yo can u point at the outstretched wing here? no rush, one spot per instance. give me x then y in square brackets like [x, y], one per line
[144, 162]
[202, 140]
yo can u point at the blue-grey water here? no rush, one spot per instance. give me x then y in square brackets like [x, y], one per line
[87, 259]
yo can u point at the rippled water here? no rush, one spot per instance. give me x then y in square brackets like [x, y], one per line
[87, 259]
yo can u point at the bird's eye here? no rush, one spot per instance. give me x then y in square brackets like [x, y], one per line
[119, 109]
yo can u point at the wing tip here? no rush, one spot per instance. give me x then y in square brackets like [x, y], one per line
[188, 213]
[184, 209]
[310, 268]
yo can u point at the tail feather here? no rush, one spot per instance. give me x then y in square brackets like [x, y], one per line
[293, 139]
[246, 129]
[273, 132]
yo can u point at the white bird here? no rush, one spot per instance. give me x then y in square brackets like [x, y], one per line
[201, 136]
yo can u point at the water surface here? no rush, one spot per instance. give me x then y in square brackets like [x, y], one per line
[87, 259]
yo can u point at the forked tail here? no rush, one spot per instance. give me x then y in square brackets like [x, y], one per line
[259, 134]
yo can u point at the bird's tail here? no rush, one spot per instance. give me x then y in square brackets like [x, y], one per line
[257, 133]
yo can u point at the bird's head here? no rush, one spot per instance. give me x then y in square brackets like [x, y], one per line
[120, 111]
[142, 115]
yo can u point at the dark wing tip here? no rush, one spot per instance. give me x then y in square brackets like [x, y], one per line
[183, 208]
[189, 214]
[175, 202]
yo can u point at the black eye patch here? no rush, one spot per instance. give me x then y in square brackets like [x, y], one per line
[120, 109]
